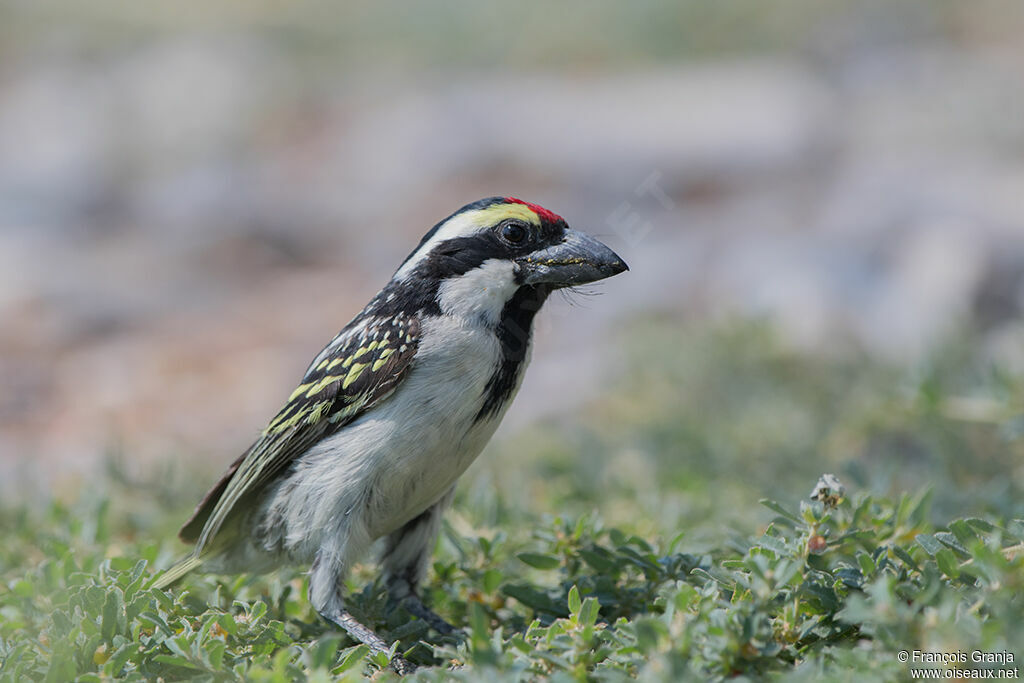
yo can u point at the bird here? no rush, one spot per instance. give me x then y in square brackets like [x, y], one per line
[392, 411]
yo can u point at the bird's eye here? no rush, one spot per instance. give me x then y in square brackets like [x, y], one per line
[513, 233]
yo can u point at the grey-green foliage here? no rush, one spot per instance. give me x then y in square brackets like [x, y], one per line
[626, 542]
[819, 589]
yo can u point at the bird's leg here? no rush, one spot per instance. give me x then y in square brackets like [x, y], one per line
[405, 560]
[324, 595]
[368, 637]
[415, 607]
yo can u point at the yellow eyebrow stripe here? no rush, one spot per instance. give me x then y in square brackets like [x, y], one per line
[499, 212]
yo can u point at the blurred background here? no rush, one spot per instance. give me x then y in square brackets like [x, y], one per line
[822, 204]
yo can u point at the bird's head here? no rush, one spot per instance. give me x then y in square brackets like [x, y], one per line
[486, 252]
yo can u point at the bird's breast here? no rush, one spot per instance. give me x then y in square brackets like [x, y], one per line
[402, 455]
[432, 420]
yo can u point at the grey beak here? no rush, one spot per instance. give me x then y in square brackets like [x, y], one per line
[576, 260]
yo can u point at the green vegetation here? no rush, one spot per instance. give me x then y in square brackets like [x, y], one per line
[625, 541]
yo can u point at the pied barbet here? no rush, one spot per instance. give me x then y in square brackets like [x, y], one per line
[393, 411]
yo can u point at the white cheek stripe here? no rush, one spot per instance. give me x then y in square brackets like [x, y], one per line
[480, 293]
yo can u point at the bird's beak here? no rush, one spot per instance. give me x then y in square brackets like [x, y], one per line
[576, 260]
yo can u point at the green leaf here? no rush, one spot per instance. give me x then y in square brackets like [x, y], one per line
[775, 507]
[179, 646]
[119, 658]
[648, 633]
[905, 557]
[947, 563]
[918, 508]
[121, 564]
[215, 650]
[322, 653]
[492, 580]
[574, 601]
[928, 542]
[113, 619]
[553, 659]
[598, 558]
[61, 669]
[867, 565]
[589, 611]
[823, 597]
[62, 624]
[950, 541]
[351, 658]
[227, 622]
[851, 577]
[531, 597]
[23, 589]
[981, 525]
[538, 560]
[478, 627]
[773, 544]
[94, 598]
[963, 532]
[177, 660]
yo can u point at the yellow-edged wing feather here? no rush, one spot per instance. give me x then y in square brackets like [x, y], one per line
[359, 368]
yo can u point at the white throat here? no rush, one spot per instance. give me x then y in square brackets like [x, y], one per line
[481, 293]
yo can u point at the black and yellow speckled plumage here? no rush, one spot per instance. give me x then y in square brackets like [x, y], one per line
[393, 410]
[359, 367]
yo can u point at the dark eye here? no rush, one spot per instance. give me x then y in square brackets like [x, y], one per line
[513, 233]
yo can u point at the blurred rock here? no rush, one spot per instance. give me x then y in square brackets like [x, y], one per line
[185, 220]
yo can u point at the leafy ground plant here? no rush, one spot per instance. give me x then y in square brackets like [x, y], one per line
[660, 566]
[833, 585]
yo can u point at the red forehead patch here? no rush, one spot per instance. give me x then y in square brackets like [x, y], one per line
[549, 216]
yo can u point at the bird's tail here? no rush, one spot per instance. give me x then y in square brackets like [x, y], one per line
[176, 571]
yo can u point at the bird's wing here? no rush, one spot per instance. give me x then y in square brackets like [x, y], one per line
[358, 369]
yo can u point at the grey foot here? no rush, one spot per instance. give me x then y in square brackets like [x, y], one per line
[415, 607]
[366, 636]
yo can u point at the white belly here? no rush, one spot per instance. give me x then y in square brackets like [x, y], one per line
[392, 463]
